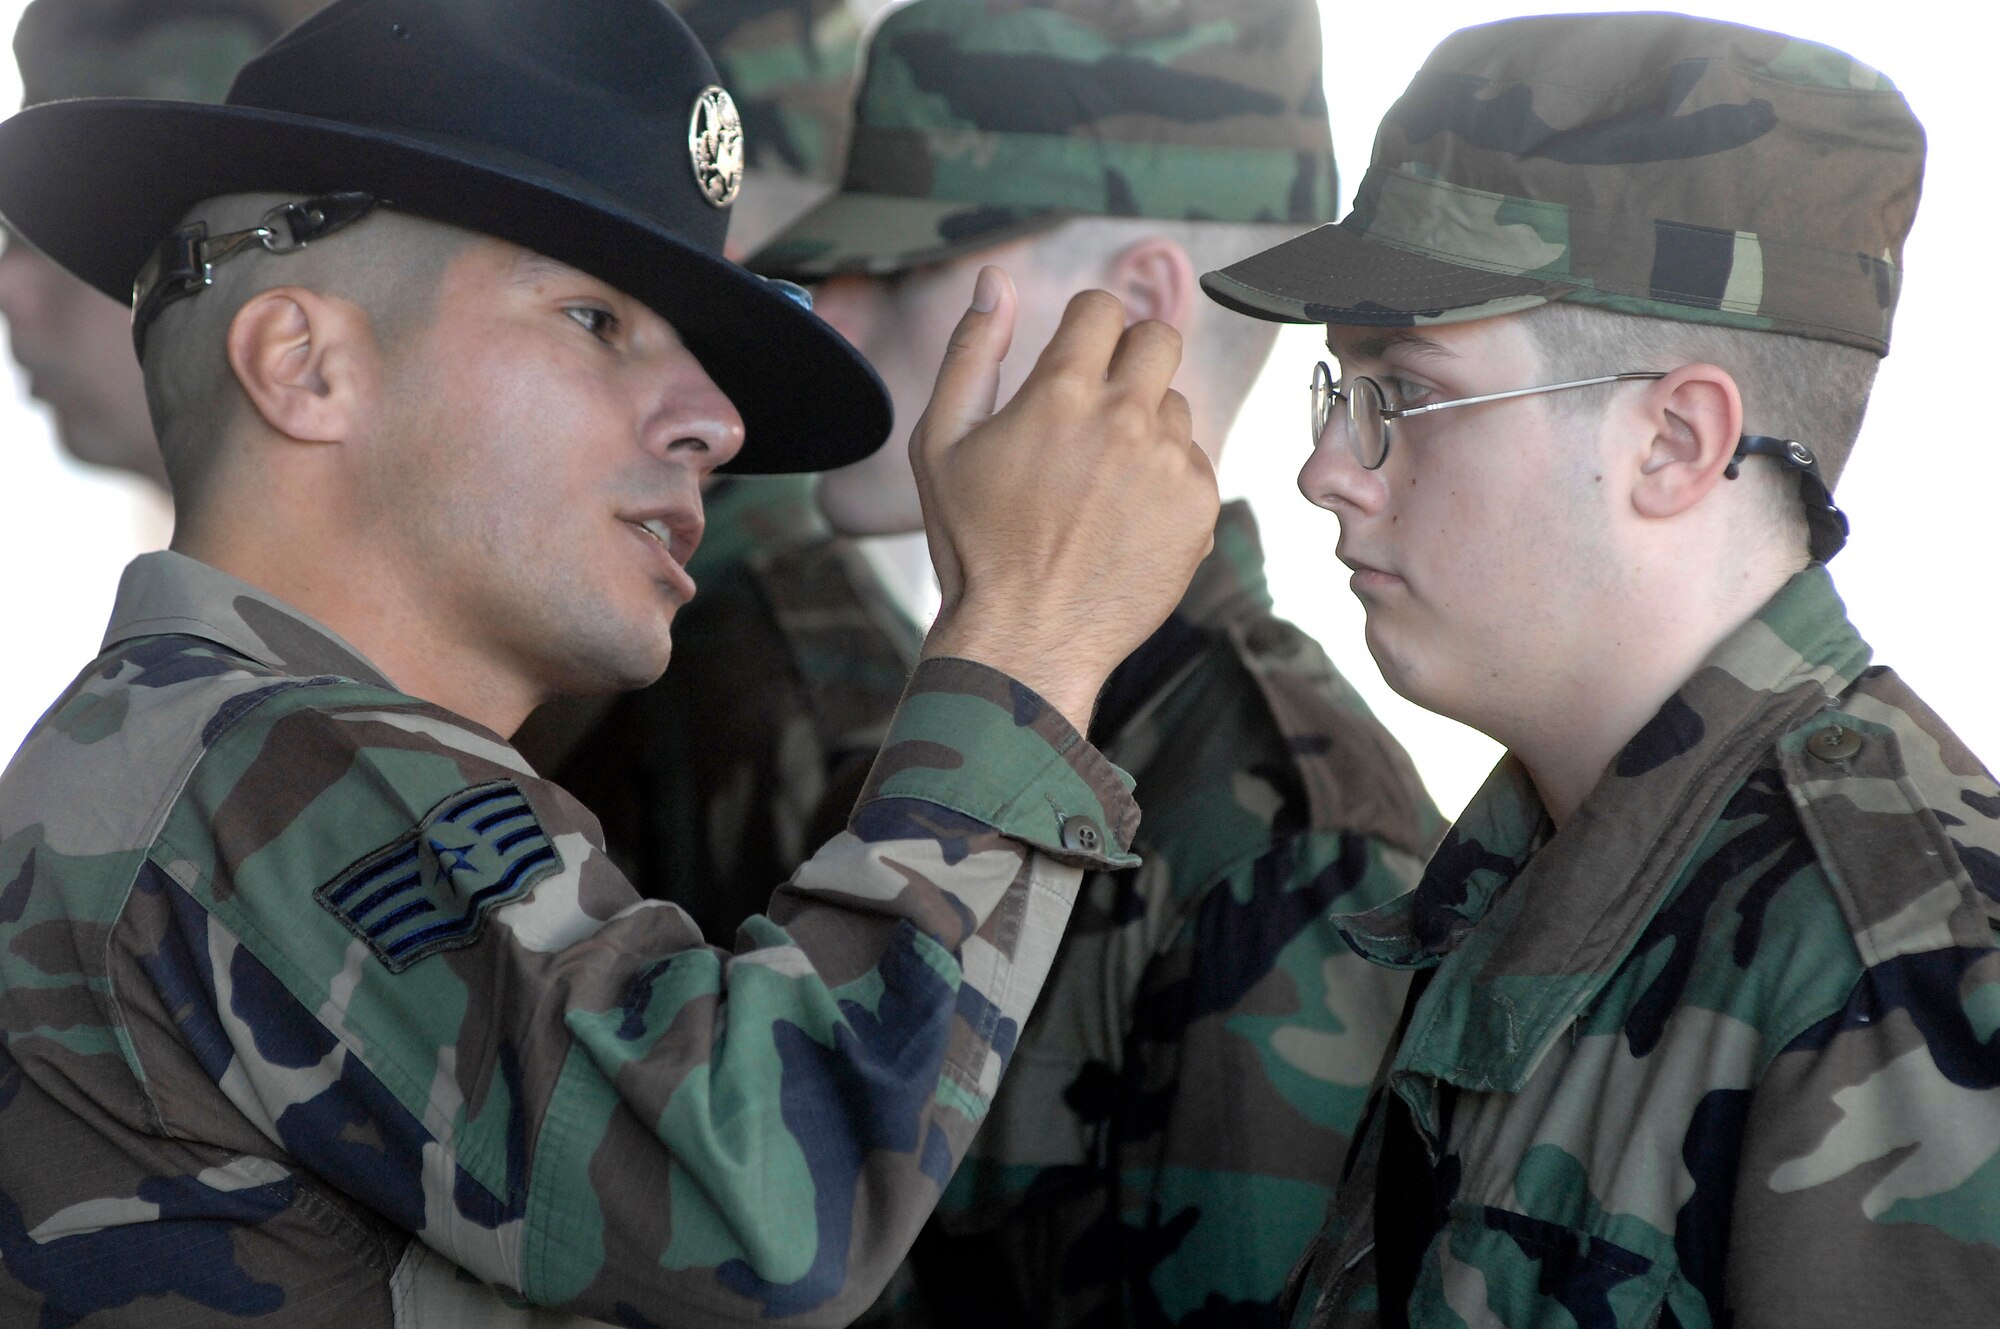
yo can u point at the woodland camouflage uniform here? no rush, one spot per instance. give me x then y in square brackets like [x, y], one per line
[1173, 1121]
[723, 776]
[1725, 1048]
[1174, 1117]
[348, 988]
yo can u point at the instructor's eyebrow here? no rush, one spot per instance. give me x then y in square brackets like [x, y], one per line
[531, 267]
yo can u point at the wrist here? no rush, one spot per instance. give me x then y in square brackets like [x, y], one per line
[1066, 678]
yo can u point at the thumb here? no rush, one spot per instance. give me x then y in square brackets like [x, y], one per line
[968, 381]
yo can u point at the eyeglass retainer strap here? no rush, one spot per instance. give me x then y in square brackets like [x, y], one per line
[1826, 523]
[184, 263]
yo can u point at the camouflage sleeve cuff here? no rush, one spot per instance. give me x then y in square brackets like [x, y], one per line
[970, 738]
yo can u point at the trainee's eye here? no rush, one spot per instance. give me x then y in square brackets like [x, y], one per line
[599, 323]
[1402, 393]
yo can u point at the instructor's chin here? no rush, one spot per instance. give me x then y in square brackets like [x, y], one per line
[639, 666]
[651, 669]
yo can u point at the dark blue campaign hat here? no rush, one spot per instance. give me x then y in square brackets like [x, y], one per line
[592, 133]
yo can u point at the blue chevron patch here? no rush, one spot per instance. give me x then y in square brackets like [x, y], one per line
[430, 889]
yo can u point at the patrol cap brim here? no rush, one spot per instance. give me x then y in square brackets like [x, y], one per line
[97, 183]
[878, 234]
[1339, 276]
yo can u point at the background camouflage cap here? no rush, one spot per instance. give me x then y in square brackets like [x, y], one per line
[173, 50]
[1650, 163]
[789, 65]
[980, 120]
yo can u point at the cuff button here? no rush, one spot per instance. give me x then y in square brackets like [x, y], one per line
[1082, 835]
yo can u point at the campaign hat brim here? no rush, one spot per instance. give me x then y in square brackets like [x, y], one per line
[1337, 275]
[879, 234]
[97, 183]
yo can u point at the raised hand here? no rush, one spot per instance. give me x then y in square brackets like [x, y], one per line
[1066, 525]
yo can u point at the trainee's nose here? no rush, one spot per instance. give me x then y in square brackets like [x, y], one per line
[1332, 478]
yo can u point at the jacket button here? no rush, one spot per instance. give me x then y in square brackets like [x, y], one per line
[1834, 743]
[1081, 834]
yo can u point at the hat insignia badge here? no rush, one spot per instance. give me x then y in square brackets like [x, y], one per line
[715, 146]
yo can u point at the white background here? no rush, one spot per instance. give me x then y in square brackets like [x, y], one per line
[1918, 574]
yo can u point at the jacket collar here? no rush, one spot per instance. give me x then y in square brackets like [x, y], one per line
[1228, 587]
[167, 593]
[1526, 925]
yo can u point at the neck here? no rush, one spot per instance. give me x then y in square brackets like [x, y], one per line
[1591, 712]
[338, 582]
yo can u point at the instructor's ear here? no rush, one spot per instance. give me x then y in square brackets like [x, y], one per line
[1695, 416]
[305, 361]
[1155, 278]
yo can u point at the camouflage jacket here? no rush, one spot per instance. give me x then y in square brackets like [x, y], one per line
[721, 778]
[294, 968]
[1721, 1051]
[1169, 1134]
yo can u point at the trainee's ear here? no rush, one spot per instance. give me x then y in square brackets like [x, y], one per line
[1695, 416]
[1156, 279]
[302, 359]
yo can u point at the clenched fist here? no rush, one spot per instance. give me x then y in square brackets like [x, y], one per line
[1065, 526]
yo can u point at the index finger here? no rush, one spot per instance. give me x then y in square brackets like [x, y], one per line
[1085, 341]
[1148, 356]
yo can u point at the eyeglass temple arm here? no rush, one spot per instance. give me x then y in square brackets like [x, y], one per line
[1826, 523]
[1402, 412]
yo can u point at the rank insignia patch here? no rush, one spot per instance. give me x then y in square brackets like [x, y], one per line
[430, 889]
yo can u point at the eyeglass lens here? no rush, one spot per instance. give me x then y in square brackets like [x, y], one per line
[1367, 427]
[1322, 399]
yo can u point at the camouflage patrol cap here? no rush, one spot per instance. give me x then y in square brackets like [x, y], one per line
[1654, 164]
[790, 68]
[981, 120]
[171, 50]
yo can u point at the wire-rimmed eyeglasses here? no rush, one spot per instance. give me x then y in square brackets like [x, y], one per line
[1368, 411]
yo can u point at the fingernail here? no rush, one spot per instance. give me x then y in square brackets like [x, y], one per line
[986, 291]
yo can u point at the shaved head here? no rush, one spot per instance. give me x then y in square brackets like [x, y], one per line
[387, 265]
[1792, 387]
